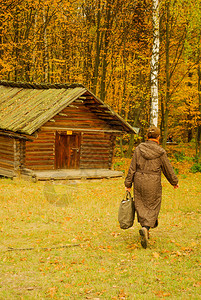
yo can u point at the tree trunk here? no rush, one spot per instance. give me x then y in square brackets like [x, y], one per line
[34, 47]
[106, 43]
[121, 146]
[125, 96]
[154, 65]
[16, 43]
[98, 48]
[131, 142]
[130, 146]
[103, 77]
[167, 71]
[1, 45]
[199, 96]
[45, 53]
[162, 114]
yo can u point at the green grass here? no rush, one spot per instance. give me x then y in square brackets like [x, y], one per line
[79, 251]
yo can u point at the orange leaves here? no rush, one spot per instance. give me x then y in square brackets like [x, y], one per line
[107, 248]
[122, 295]
[156, 255]
[197, 284]
[173, 256]
[115, 234]
[102, 270]
[52, 291]
[161, 294]
[89, 293]
[132, 246]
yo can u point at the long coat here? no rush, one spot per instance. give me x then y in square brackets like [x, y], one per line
[149, 159]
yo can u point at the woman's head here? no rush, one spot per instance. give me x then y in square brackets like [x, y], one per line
[153, 132]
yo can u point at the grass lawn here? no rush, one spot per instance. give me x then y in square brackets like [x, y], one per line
[62, 240]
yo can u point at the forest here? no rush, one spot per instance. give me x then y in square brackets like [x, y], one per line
[107, 46]
[61, 239]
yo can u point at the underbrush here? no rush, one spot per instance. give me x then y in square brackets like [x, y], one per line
[182, 156]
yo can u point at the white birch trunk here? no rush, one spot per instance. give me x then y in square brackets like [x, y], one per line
[154, 65]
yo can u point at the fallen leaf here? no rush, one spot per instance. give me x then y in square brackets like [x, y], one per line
[52, 291]
[132, 246]
[122, 295]
[198, 284]
[102, 270]
[156, 255]
[115, 234]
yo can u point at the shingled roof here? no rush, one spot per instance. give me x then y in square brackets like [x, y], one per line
[25, 107]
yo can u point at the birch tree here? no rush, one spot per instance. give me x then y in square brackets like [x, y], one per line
[155, 64]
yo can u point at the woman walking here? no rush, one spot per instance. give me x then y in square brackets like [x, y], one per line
[149, 159]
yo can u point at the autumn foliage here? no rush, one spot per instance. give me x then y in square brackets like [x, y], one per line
[106, 45]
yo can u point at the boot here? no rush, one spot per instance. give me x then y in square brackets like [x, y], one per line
[144, 237]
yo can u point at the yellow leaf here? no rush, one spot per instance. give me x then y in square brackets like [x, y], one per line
[156, 255]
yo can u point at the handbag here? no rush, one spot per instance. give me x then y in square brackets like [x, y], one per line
[126, 214]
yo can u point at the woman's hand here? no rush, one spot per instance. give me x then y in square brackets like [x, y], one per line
[128, 189]
[176, 186]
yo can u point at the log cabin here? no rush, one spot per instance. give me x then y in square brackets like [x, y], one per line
[46, 129]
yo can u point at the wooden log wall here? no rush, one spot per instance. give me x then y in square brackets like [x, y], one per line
[19, 154]
[40, 153]
[112, 147]
[7, 162]
[96, 148]
[96, 151]
[77, 116]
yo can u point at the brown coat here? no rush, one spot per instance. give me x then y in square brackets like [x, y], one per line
[145, 171]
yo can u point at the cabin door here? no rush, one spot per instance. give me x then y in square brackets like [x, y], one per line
[67, 151]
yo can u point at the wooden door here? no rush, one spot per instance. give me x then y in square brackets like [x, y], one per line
[67, 151]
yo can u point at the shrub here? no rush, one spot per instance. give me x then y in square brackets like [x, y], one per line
[176, 170]
[196, 159]
[118, 164]
[180, 156]
[196, 168]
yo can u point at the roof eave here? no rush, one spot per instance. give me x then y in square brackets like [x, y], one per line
[126, 124]
[15, 135]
